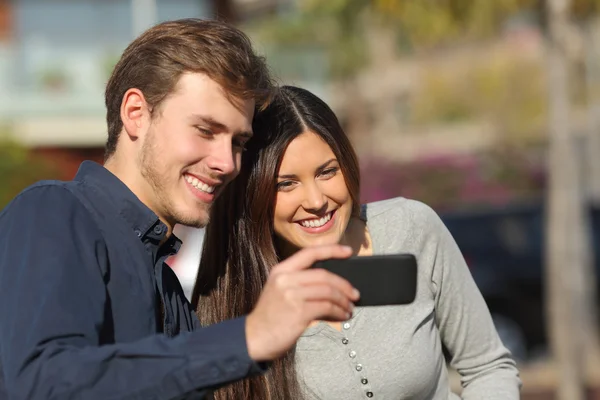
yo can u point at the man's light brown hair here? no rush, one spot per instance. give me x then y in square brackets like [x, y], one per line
[155, 61]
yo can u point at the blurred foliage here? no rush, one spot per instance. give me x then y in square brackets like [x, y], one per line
[431, 22]
[109, 60]
[19, 169]
[507, 91]
[339, 26]
[336, 31]
[54, 78]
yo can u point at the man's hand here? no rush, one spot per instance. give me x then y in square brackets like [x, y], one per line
[293, 297]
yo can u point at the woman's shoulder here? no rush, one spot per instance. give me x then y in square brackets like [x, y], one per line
[403, 221]
[400, 209]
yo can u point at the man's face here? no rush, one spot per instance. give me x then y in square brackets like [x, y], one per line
[192, 149]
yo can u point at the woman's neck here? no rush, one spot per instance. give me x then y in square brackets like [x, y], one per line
[357, 236]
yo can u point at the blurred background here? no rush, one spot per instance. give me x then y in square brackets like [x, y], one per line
[488, 111]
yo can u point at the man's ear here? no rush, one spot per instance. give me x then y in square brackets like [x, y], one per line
[135, 113]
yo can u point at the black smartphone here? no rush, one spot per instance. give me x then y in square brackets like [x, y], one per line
[381, 279]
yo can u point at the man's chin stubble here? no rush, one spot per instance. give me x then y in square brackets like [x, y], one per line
[195, 222]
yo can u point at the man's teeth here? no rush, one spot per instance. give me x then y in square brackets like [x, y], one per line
[199, 184]
[315, 223]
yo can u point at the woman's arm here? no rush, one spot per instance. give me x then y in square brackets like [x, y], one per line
[487, 369]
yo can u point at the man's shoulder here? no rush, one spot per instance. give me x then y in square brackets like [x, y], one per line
[53, 185]
[51, 195]
[49, 208]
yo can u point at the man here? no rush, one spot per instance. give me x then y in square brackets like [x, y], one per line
[88, 308]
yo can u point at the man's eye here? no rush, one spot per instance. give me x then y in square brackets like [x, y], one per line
[204, 131]
[240, 144]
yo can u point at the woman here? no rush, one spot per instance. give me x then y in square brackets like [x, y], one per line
[300, 187]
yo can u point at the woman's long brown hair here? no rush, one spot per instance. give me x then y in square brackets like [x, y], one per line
[239, 247]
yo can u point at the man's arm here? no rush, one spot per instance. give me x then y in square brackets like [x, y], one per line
[52, 311]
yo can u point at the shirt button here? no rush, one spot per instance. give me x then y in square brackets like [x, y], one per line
[345, 340]
[158, 229]
[359, 367]
[138, 233]
[364, 381]
[347, 325]
[352, 354]
[369, 394]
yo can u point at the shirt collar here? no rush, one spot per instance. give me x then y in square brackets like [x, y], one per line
[143, 221]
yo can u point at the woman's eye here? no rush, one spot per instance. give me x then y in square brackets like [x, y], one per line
[284, 185]
[329, 172]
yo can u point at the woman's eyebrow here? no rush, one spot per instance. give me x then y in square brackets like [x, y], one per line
[319, 168]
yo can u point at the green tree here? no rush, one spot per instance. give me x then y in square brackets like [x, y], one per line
[339, 25]
[19, 169]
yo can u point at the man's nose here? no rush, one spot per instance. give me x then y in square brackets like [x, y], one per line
[221, 158]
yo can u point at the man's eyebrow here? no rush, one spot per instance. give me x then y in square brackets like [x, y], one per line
[319, 168]
[219, 126]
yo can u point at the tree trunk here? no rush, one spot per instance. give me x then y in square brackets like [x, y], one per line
[592, 158]
[566, 236]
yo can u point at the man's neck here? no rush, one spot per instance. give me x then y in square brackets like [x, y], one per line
[136, 183]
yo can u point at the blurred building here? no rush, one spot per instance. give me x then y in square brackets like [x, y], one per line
[55, 59]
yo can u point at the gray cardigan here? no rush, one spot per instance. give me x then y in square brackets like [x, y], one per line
[395, 352]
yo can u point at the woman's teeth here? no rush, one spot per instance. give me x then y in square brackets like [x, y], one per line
[199, 184]
[315, 223]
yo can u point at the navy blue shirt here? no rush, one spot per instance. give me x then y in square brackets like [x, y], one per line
[89, 309]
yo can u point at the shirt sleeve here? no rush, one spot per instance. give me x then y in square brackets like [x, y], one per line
[487, 369]
[54, 295]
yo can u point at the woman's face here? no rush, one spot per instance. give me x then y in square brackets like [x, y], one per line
[313, 204]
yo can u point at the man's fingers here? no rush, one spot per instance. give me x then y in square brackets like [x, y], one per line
[325, 293]
[324, 310]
